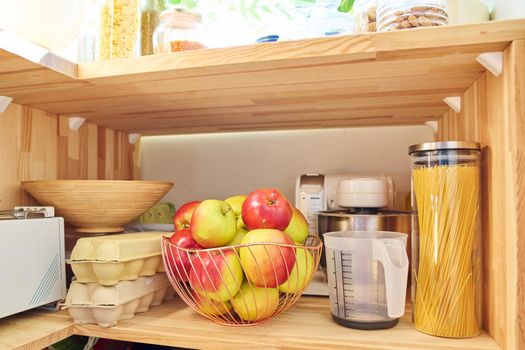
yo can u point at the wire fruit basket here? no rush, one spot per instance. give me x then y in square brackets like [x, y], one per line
[241, 285]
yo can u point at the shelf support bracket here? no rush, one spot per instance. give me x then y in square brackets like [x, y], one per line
[133, 138]
[453, 102]
[492, 61]
[75, 123]
[5, 101]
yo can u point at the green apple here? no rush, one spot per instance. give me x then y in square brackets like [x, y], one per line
[298, 227]
[301, 273]
[211, 307]
[254, 303]
[236, 203]
[239, 235]
[213, 223]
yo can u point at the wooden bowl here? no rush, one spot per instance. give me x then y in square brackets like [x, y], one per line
[98, 206]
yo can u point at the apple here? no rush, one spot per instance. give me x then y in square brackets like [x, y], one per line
[239, 235]
[266, 208]
[298, 227]
[216, 275]
[211, 307]
[236, 203]
[213, 223]
[183, 215]
[267, 265]
[178, 260]
[254, 304]
[301, 273]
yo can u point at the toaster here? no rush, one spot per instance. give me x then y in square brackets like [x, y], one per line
[32, 259]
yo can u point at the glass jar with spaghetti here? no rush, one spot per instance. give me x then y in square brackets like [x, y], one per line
[446, 294]
[179, 30]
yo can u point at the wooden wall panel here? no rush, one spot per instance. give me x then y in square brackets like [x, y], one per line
[493, 113]
[35, 145]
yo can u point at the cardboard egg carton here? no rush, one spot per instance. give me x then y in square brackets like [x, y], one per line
[105, 306]
[109, 259]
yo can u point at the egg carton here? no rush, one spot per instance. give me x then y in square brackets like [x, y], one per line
[105, 306]
[109, 259]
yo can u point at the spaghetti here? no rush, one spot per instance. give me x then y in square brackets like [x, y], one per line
[447, 274]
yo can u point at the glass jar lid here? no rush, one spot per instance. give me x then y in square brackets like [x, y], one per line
[445, 145]
[181, 16]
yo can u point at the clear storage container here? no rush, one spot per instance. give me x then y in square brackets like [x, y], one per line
[405, 14]
[446, 262]
[179, 30]
[365, 16]
[149, 20]
[119, 28]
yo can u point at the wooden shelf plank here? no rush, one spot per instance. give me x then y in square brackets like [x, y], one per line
[34, 330]
[373, 79]
[307, 325]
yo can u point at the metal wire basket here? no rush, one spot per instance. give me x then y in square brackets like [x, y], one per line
[241, 285]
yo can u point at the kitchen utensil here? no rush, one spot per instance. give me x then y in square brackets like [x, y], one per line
[98, 206]
[367, 277]
[213, 281]
[32, 263]
[446, 290]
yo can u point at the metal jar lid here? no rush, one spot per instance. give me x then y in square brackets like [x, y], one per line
[446, 145]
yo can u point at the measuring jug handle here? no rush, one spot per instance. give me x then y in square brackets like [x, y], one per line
[391, 253]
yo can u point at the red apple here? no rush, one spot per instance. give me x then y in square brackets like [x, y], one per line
[266, 208]
[183, 216]
[178, 259]
[213, 223]
[216, 275]
[267, 265]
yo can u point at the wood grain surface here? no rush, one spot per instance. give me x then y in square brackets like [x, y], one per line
[307, 325]
[35, 145]
[493, 113]
[392, 78]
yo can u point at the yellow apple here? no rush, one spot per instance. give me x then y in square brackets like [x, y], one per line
[298, 227]
[301, 273]
[254, 303]
[236, 203]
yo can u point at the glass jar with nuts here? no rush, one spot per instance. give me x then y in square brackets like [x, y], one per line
[365, 16]
[406, 14]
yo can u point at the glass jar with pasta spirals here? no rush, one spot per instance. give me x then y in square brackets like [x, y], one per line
[446, 262]
[179, 30]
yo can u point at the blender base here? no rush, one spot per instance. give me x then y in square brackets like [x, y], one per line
[365, 325]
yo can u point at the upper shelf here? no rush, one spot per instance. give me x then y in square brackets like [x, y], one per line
[374, 79]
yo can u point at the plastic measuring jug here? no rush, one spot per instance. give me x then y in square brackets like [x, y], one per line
[367, 277]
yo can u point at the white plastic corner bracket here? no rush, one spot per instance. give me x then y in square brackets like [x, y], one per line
[432, 124]
[453, 102]
[75, 123]
[5, 101]
[133, 138]
[492, 61]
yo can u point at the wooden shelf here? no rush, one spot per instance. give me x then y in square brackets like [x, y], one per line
[307, 325]
[374, 79]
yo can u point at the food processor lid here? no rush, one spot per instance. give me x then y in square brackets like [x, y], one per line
[445, 145]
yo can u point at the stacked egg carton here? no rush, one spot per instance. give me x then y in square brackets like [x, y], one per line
[116, 277]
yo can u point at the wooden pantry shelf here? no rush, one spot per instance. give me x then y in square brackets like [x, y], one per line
[373, 79]
[307, 325]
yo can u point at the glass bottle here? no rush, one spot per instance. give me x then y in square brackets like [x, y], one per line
[179, 30]
[149, 20]
[119, 28]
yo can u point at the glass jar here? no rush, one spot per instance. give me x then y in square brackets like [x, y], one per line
[446, 262]
[365, 16]
[149, 20]
[179, 30]
[119, 25]
[405, 14]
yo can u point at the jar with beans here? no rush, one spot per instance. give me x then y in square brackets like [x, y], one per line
[365, 16]
[406, 14]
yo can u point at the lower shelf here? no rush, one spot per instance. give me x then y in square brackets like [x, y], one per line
[308, 325]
